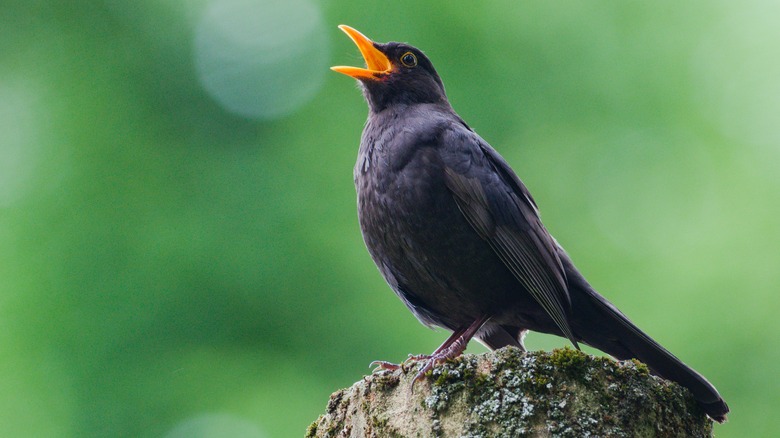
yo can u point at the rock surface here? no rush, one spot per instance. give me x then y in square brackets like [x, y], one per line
[508, 393]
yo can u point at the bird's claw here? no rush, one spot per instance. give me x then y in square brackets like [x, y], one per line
[385, 366]
[419, 357]
[389, 366]
[432, 361]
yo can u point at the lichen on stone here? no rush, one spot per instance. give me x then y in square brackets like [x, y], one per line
[509, 393]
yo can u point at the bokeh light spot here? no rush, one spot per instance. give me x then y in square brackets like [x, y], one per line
[261, 59]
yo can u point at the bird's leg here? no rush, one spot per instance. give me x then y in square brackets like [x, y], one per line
[452, 347]
[446, 344]
[382, 365]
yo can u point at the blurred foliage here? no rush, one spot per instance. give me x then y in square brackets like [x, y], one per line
[169, 266]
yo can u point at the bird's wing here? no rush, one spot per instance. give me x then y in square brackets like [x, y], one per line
[500, 209]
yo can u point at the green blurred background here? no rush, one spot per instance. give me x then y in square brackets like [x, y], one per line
[180, 250]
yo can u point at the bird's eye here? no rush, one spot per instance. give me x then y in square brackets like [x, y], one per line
[408, 59]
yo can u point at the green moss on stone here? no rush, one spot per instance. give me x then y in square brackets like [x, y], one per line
[386, 382]
[311, 431]
[510, 393]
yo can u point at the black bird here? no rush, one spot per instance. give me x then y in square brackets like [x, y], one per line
[458, 236]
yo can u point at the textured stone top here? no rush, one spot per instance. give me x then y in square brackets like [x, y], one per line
[509, 393]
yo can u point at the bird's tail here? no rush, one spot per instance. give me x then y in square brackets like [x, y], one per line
[600, 324]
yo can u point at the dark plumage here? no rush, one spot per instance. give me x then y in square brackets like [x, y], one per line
[458, 237]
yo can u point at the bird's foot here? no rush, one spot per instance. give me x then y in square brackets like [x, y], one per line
[419, 357]
[453, 347]
[438, 357]
[382, 365]
[385, 366]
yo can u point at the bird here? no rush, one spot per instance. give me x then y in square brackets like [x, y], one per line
[458, 237]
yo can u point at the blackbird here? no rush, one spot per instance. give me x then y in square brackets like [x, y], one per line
[458, 237]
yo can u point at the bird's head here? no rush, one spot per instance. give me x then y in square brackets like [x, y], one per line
[395, 73]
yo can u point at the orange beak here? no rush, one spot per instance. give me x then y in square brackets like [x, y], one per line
[377, 63]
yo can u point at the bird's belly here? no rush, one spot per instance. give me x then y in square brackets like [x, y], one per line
[427, 251]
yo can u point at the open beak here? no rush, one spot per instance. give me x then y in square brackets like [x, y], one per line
[377, 63]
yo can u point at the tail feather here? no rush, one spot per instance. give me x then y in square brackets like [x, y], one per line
[600, 324]
[627, 342]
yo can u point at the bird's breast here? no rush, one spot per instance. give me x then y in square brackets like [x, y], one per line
[418, 237]
[401, 191]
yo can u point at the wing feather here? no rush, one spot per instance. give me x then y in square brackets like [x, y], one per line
[502, 212]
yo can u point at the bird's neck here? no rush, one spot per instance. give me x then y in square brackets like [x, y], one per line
[384, 95]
